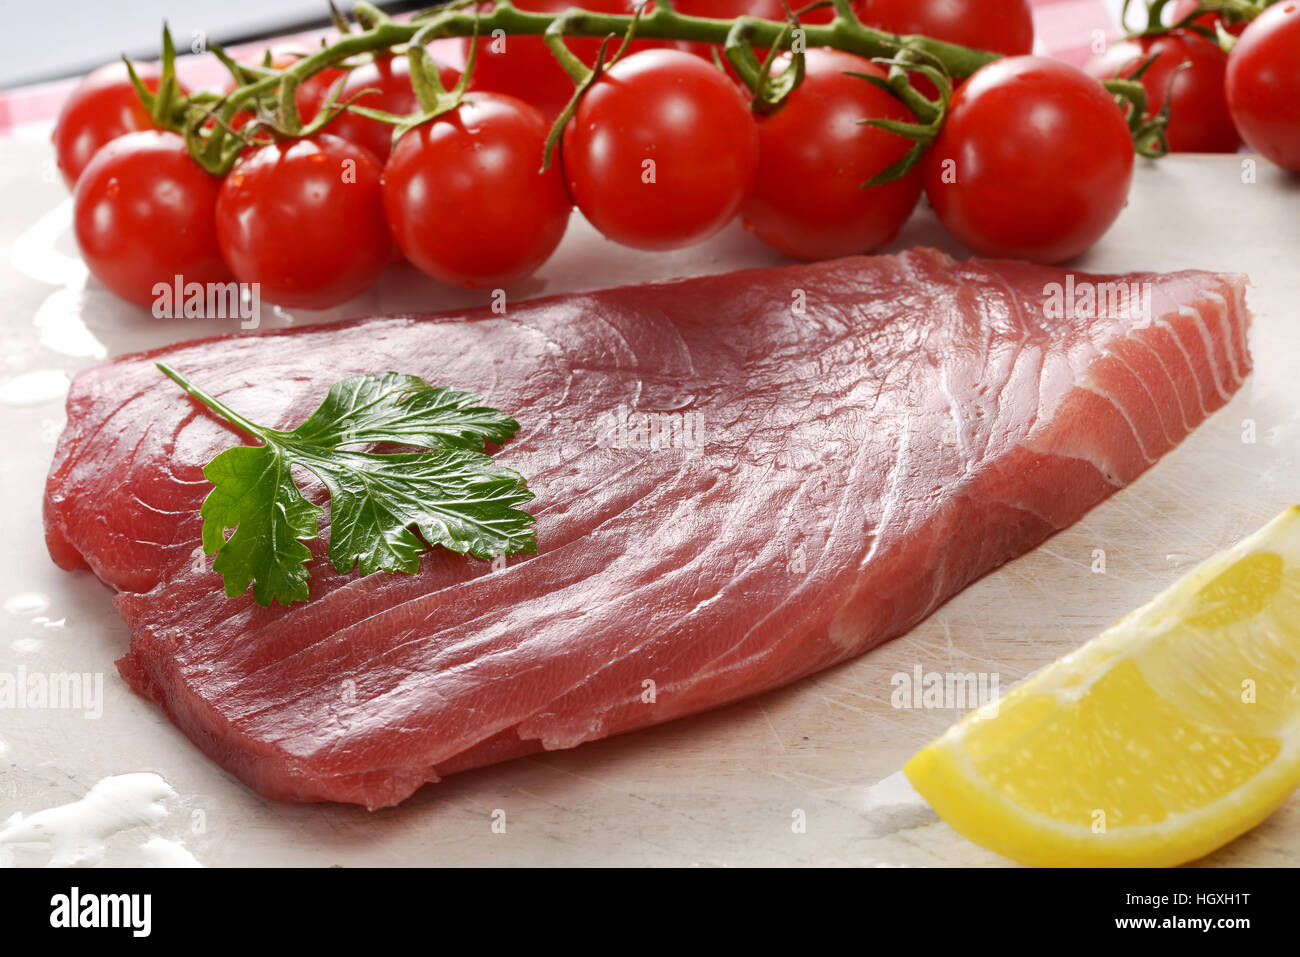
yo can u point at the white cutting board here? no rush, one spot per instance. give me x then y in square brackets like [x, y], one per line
[727, 787]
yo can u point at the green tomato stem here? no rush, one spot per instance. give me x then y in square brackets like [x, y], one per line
[1231, 11]
[460, 19]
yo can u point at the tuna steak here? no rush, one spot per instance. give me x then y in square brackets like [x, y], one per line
[740, 479]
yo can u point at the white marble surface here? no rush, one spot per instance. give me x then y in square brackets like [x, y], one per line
[722, 788]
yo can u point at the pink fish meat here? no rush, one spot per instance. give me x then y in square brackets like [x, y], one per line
[740, 479]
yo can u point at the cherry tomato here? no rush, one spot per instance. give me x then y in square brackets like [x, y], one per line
[1263, 84]
[525, 68]
[1033, 162]
[304, 220]
[143, 213]
[813, 157]
[1198, 111]
[1181, 8]
[1000, 26]
[466, 198]
[662, 150]
[103, 107]
[391, 76]
[821, 15]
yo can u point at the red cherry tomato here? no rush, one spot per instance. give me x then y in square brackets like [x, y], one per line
[525, 68]
[466, 198]
[1000, 26]
[813, 157]
[314, 91]
[391, 76]
[821, 15]
[1033, 162]
[144, 213]
[662, 150]
[1263, 84]
[1198, 111]
[730, 9]
[103, 107]
[304, 220]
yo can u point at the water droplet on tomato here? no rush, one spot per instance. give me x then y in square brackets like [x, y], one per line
[113, 187]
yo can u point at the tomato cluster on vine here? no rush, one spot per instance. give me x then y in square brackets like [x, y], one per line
[1027, 158]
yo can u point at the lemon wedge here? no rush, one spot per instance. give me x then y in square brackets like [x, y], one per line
[1163, 738]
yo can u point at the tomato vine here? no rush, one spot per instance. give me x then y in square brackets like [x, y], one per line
[208, 119]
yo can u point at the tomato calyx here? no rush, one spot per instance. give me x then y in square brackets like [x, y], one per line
[769, 90]
[167, 105]
[929, 113]
[431, 93]
[1147, 129]
[208, 122]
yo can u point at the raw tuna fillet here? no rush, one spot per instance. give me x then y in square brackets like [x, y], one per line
[740, 479]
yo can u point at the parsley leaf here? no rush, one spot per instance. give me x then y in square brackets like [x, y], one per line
[451, 493]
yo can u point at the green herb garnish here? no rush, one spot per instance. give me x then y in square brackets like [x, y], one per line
[452, 493]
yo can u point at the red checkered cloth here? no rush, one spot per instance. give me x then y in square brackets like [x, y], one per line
[1073, 30]
[1068, 29]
